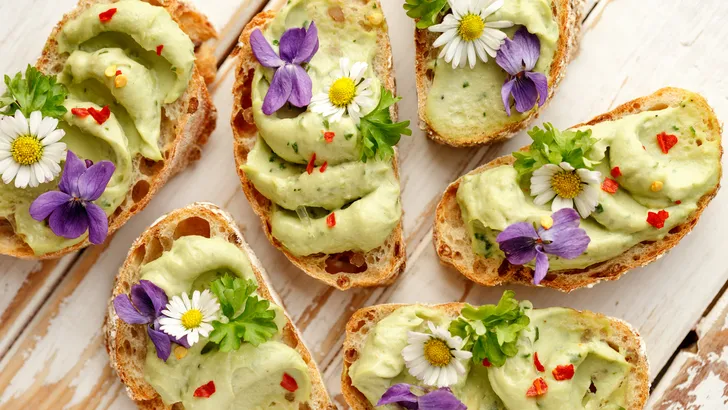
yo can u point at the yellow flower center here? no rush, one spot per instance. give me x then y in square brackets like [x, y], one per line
[437, 353]
[26, 150]
[471, 27]
[342, 92]
[191, 319]
[566, 184]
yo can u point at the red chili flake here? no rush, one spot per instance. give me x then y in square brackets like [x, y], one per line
[616, 172]
[537, 363]
[311, 164]
[329, 136]
[159, 49]
[107, 15]
[80, 112]
[100, 116]
[206, 390]
[643, 147]
[323, 167]
[678, 202]
[118, 72]
[609, 185]
[666, 141]
[657, 219]
[331, 220]
[486, 362]
[563, 372]
[539, 388]
[289, 383]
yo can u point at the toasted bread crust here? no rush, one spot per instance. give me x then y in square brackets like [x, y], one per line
[622, 335]
[126, 344]
[385, 263]
[569, 14]
[453, 244]
[182, 138]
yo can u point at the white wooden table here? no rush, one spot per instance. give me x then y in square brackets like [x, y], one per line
[51, 349]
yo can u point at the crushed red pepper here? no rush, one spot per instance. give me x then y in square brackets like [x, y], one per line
[616, 172]
[100, 116]
[678, 202]
[657, 219]
[289, 383]
[323, 167]
[206, 390]
[609, 185]
[666, 141]
[331, 220]
[159, 49]
[563, 372]
[486, 362]
[80, 112]
[329, 136]
[118, 72]
[106, 16]
[311, 164]
[539, 388]
[537, 363]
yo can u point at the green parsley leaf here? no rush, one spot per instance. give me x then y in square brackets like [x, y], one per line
[249, 318]
[551, 146]
[379, 133]
[426, 11]
[35, 92]
[502, 322]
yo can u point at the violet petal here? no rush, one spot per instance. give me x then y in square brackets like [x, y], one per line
[263, 51]
[279, 91]
[126, 311]
[400, 394]
[566, 218]
[542, 86]
[161, 342]
[98, 224]
[517, 230]
[510, 57]
[72, 170]
[142, 302]
[506, 94]
[441, 399]
[302, 87]
[46, 203]
[93, 182]
[542, 266]
[181, 341]
[156, 295]
[69, 220]
[310, 45]
[568, 243]
[519, 251]
[291, 41]
[525, 94]
[530, 48]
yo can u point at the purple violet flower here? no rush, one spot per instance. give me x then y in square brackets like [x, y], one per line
[522, 243]
[518, 57]
[71, 211]
[291, 82]
[144, 307]
[440, 399]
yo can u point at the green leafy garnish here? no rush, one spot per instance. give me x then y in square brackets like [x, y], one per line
[502, 324]
[249, 318]
[426, 11]
[34, 92]
[551, 146]
[379, 133]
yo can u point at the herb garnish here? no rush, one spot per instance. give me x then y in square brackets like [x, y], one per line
[427, 11]
[551, 146]
[35, 92]
[379, 133]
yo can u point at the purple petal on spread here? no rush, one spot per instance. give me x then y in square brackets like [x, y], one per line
[510, 57]
[126, 311]
[46, 203]
[263, 51]
[142, 302]
[69, 220]
[525, 94]
[441, 399]
[93, 182]
[400, 394]
[290, 42]
[530, 48]
[156, 295]
[542, 266]
[309, 47]
[506, 94]
[518, 57]
[302, 87]
[72, 170]
[542, 85]
[565, 238]
[161, 343]
[517, 230]
[518, 242]
[279, 91]
[98, 223]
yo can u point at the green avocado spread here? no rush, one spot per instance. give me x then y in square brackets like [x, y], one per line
[493, 199]
[463, 102]
[363, 196]
[560, 337]
[245, 379]
[89, 47]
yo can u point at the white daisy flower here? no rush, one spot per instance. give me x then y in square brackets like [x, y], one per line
[349, 93]
[466, 33]
[30, 151]
[435, 358]
[566, 187]
[192, 318]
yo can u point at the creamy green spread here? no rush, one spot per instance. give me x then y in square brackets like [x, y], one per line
[128, 41]
[245, 379]
[364, 197]
[492, 200]
[463, 102]
[560, 337]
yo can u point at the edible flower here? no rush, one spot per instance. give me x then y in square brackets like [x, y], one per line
[401, 394]
[348, 93]
[657, 219]
[291, 82]
[539, 388]
[666, 141]
[518, 57]
[435, 357]
[522, 243]
[70, 210]
[567, 187]
[30, 149]
[183, 317]
[205, 391]
[466, 35]
[144, 308]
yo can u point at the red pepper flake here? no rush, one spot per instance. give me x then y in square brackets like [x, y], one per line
[539, 388]
[100, 116]
[80, 112]
[159, 49]
[666, 141]
[537, 363]
[206, 390]
[616, 172]
[678, 202]
[289, 383]
[323, 167]
[329, 136]
[311, 164]
[118, 72]
[106, 16]
[643, 147]
[486, 362]
[657, 219]
[331, 220]
[609, 185]
[563, 372]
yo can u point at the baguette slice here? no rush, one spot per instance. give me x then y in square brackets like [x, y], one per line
[186, 123]
[343, 270]
[623, 336]
[568, 13]
[127, 344]
[453, 244]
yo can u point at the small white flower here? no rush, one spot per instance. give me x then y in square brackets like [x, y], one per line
[466, 33]
[30, 151]
[435, 358]
[191, 318]
[566, 187]
[349, 93]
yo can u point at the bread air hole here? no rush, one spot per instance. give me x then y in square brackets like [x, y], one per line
[351, 355]
[140, 190]
[346, 262]
[193, 226]
[149, 167]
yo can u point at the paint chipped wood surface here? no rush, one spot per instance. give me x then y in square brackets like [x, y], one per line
[51, 347]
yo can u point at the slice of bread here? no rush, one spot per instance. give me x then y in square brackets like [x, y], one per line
[622, 337]
[380, 266]
[453, 243]
[186, 123]
[568, 14]
[127, 344]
